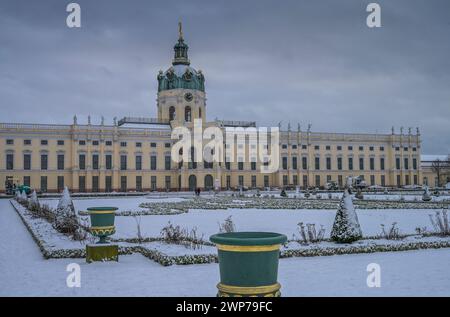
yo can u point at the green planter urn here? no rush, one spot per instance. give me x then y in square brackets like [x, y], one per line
[248, 263]
[102, 222]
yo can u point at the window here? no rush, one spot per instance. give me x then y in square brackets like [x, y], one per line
[415, 179]
[44, 161]
[383, 180]
[82, 161]
[382, 148]
[350, 148]
[241, 180]
[361, 163]
[414, 149]
[138, 162]
[81, 142]
[95, 161]
[361, 148]
[167, 145]
[60, 183]
[339, 163]
[44, 184]
[123, 162]
[167, 182]
[44, 142]
[108, 143]
[317, 180]
[27, 181]
[295, 180]
[27, 161]
[95, 142]
[153, 182]
[284, 162]
[328, 148]
[294, 146]
[138, 144]
[405, 148]
[108, 184]
[9, 142]
[82, 183]
[123, 184]
[108, 161]
[153, 144]
[406, 164]
[60, 142]
[240, 166]
[123, 144]
[171, 113]
[95, 187]
[227, 165]
[371, 148]
[187, 114]
[167, 162]
[228, 181]
[304, 162]
[340, 182]
[9, 161]
[316, 147]
[414, 165]
[60, 161]
[138, 183]
[317, 163]
[328, 178]
[304, 146]
[350, 163]
[406, 180]
[399, 182]
[253, 181]
[339, 148]
[397, 163]
[153, 162]
[397, 148]
[253, 166]
[284, 146]
[328, 160]
[372, 164]
[294, 162]
[305, 181]
[372, 180]
[266, 181]
[285, 180]
[26, 142]
[382, 163]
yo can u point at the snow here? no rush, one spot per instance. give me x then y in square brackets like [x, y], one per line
[23, 272]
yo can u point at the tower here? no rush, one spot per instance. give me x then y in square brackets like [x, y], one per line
[181, 89]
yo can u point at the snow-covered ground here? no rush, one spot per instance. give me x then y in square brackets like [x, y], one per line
[23, 272]
[283, 221]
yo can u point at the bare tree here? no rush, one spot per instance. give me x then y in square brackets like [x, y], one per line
[441, 168]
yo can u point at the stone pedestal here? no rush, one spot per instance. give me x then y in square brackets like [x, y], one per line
[102, 252]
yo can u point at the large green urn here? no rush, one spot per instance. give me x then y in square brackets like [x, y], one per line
[248, 263]
[102, 222]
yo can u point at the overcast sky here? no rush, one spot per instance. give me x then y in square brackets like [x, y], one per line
[267, 61]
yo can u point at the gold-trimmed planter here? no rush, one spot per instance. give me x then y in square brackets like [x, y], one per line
[102, 222]
[248, 263]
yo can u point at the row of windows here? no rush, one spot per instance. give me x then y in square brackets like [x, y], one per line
[83, 142]
[349, 148]
[339, 165]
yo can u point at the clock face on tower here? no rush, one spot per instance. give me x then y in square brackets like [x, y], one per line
[188, 97]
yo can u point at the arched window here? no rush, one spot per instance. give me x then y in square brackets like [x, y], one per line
[187, 114]
[172, 113]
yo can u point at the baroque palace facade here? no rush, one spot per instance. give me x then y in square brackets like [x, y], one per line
[134, 154]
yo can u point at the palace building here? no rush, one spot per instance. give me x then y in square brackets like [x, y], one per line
[134, 154]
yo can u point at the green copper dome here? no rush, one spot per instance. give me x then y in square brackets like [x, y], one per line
[181, 75]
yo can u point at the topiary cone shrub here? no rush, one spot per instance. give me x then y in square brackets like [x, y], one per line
[346, 228]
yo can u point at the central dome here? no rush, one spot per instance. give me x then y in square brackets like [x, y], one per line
[180, 74]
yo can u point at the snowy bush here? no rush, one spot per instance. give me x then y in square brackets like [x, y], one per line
[440, 223]
[346, 228]
[227, 226]
[310, 235]
[426, 195]
[283, 193]
[392, 234]
[33, 202]
[137, 219]
[182, 236]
